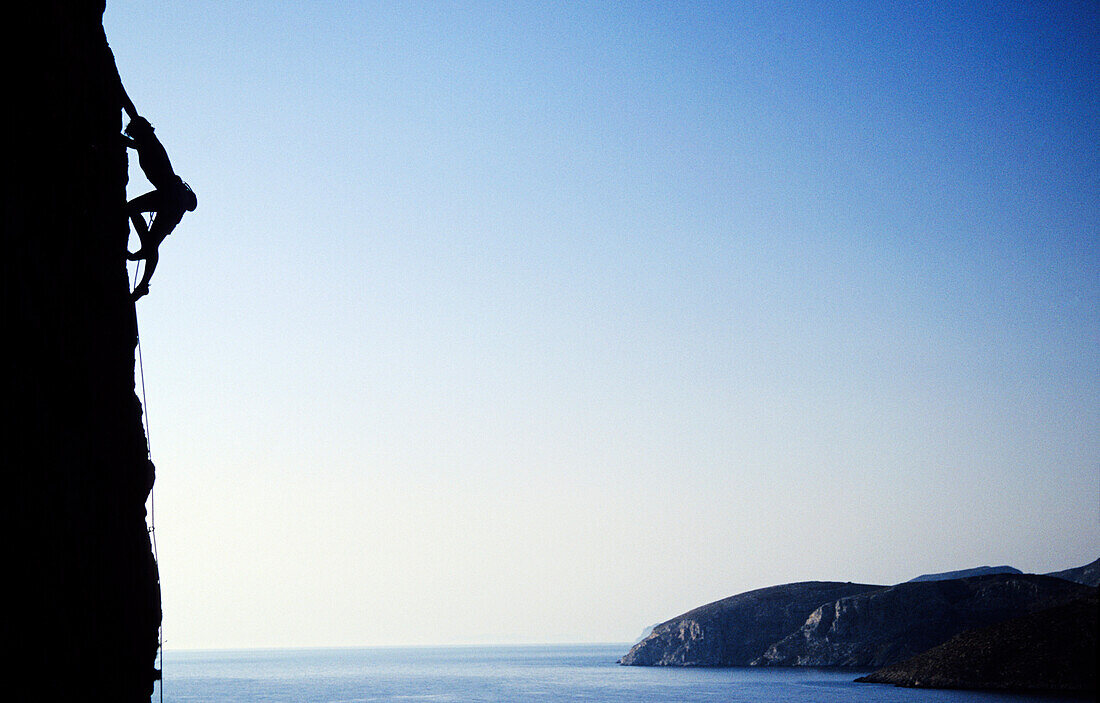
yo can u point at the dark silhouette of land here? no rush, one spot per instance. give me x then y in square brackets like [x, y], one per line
[1050, 650]
[82, 620]
[883, 627]
[1002, 629]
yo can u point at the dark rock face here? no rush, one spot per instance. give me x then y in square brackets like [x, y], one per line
[736, 630]
[1050, 650]
[1089, 574]
[86, 610]
[885, 626]
[967, 573]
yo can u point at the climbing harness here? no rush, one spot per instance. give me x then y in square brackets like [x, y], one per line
[152, 493]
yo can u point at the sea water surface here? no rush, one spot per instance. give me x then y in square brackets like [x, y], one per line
[510, 673]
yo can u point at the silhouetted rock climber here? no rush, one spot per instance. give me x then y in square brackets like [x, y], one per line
[168, 202]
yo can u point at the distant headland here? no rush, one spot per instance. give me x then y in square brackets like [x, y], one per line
[987, 627]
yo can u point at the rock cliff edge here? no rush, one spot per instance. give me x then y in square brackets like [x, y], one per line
[86, 611]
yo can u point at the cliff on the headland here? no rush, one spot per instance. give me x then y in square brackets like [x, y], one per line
[83, 616]
[882, 627]
[735, 630]
[1050, 650]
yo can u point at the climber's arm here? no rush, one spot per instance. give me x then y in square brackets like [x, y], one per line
[127, 104]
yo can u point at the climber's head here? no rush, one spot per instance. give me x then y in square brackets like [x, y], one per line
[139, 127]
[190, 202]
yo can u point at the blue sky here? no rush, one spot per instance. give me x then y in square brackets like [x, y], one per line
[530, 323]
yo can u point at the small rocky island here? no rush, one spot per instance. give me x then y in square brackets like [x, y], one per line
[997, 629]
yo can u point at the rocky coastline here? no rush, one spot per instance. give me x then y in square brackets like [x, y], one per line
[999, 630]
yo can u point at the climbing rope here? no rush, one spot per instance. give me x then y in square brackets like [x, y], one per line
[152, 492]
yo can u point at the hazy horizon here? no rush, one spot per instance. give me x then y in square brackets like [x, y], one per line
[544, 324]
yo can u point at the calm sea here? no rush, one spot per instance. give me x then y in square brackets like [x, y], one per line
[526, 673]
